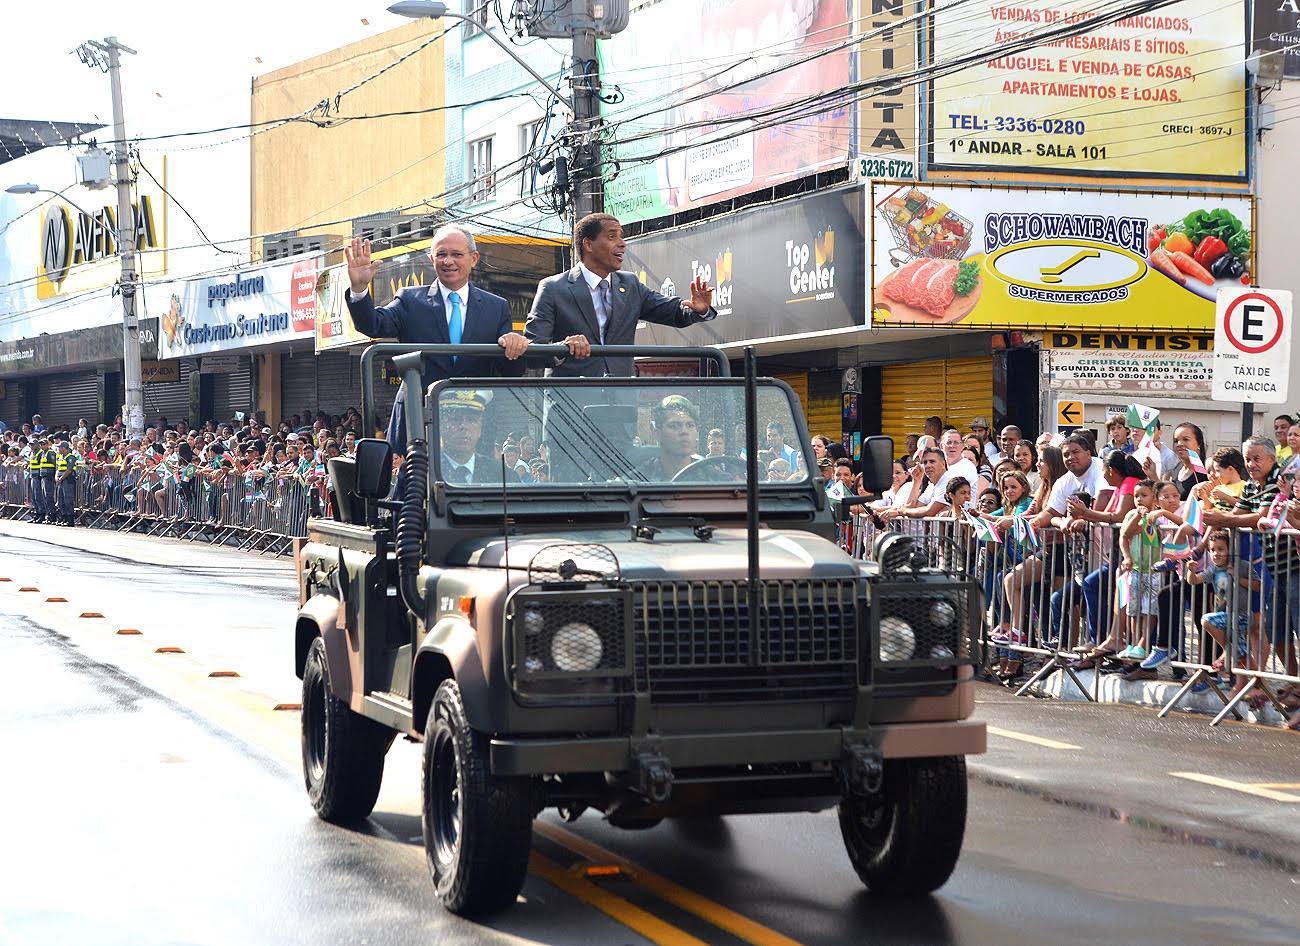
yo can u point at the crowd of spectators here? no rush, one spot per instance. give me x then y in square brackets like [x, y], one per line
[1142, 543]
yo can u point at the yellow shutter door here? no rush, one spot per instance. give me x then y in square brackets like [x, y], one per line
[824, 411]
[958, 391]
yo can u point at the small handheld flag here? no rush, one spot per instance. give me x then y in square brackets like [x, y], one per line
[984, 530]
[1139, 415]
[1198, 466]
[1194, 515]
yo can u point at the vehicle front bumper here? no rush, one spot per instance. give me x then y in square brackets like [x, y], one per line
[697, 750]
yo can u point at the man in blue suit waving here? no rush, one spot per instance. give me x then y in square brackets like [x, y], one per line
[452, 310]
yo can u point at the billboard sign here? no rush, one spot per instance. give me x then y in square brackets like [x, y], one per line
[1277, 28]
[238, 310]
[1160, 94]
[791, 268]
[887, 118]
[994, 257]
[694, 76]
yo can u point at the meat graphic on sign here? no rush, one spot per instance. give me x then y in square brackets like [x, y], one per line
[944, 288]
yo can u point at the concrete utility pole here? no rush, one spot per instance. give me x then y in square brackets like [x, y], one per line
[132, 387]
[588, 180]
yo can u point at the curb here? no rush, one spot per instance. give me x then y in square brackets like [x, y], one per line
[1151, 693]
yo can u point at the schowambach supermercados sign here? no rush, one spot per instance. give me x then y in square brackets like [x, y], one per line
[1041, 259]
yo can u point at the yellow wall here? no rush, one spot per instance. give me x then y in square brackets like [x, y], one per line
[304, 176]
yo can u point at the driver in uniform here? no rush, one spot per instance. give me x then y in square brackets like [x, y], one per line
[460, 426]
[676, 422]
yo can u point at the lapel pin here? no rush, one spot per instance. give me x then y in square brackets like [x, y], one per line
[621, 289]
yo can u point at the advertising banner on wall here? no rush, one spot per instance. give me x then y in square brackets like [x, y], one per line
[993, 257]
[791, 268]
[240, 310]
[887, 119]
[1136, 364]
[705, 72]
[1161, 94]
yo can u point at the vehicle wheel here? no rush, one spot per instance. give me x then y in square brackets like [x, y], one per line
[342, 751]
[905, 841]
[477, 826]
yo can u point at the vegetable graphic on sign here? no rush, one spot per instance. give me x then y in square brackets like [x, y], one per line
[1212, 247]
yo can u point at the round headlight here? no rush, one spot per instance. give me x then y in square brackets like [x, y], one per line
[576, 648]
[534, 621]
[942, 614]
[897, 640]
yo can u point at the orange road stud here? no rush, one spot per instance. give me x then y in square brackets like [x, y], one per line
[128, 630]
[599, 870]
[287, 707]
[91, 614]
[168, 650]
[29, 588]
[223, 673]
[56, 600]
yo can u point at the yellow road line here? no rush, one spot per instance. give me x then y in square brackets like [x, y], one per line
[1244, 787]
[1033, 740]
[612, 905]
[714, 913]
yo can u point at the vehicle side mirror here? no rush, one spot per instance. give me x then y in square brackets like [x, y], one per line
[374, 468]
[878, 464]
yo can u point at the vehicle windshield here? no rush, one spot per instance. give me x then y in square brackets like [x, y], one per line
[619, 433]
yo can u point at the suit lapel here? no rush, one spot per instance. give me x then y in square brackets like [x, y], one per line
[582, 296]
[433, 295]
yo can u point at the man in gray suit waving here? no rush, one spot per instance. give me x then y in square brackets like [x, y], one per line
[597, 303]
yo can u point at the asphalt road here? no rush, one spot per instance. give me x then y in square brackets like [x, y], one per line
[147, 802]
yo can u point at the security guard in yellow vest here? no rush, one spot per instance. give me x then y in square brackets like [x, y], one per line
[65, 478]
[40, 466]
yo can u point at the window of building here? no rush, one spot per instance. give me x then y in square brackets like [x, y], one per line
[479, 165]
[530, 135]
[477, 11]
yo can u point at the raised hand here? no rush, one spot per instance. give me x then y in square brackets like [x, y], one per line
[361, 266]
[701, 296]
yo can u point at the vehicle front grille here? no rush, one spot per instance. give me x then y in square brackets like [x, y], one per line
[694, 644]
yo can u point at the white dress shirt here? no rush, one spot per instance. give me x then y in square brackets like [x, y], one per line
[593, 286]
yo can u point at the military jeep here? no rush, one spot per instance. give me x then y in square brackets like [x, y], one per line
[654, 622]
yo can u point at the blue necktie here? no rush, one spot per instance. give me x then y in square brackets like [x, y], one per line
[456, 323]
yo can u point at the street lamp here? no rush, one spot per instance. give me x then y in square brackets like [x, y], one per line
[30, 188]
[418, 9]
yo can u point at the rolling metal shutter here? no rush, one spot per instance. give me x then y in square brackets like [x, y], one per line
[14, 404]
[958, 390]
[298, 384]
[338, 382]
[233, 392]
[66, 398]
[171, 400]
[824, 413]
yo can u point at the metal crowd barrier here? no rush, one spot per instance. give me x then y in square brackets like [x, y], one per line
[253, 512]
[1064, 593]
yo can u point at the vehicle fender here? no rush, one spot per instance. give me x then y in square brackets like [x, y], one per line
[450, 650]
[319, 617]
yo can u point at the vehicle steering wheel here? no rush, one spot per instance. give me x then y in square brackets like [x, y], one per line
[712, 470]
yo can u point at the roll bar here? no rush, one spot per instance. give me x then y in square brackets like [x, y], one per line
[390, 349]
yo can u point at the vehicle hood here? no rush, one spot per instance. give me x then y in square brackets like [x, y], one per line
[676, 554]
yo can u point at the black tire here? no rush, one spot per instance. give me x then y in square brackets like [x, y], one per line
[905, 842]
[342, 751]
[477, 826]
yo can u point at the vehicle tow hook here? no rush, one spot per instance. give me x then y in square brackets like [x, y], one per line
[652, 776]
[862, 771]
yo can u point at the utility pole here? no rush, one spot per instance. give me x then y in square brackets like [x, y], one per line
[105, 56]
[132, 387]
[588, 179]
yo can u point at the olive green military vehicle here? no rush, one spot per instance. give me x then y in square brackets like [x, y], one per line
[641, 621]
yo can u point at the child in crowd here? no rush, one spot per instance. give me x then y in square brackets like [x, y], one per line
[1139, 544]
[1233, 584]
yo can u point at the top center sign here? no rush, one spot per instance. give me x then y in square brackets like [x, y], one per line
[1160, 94]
